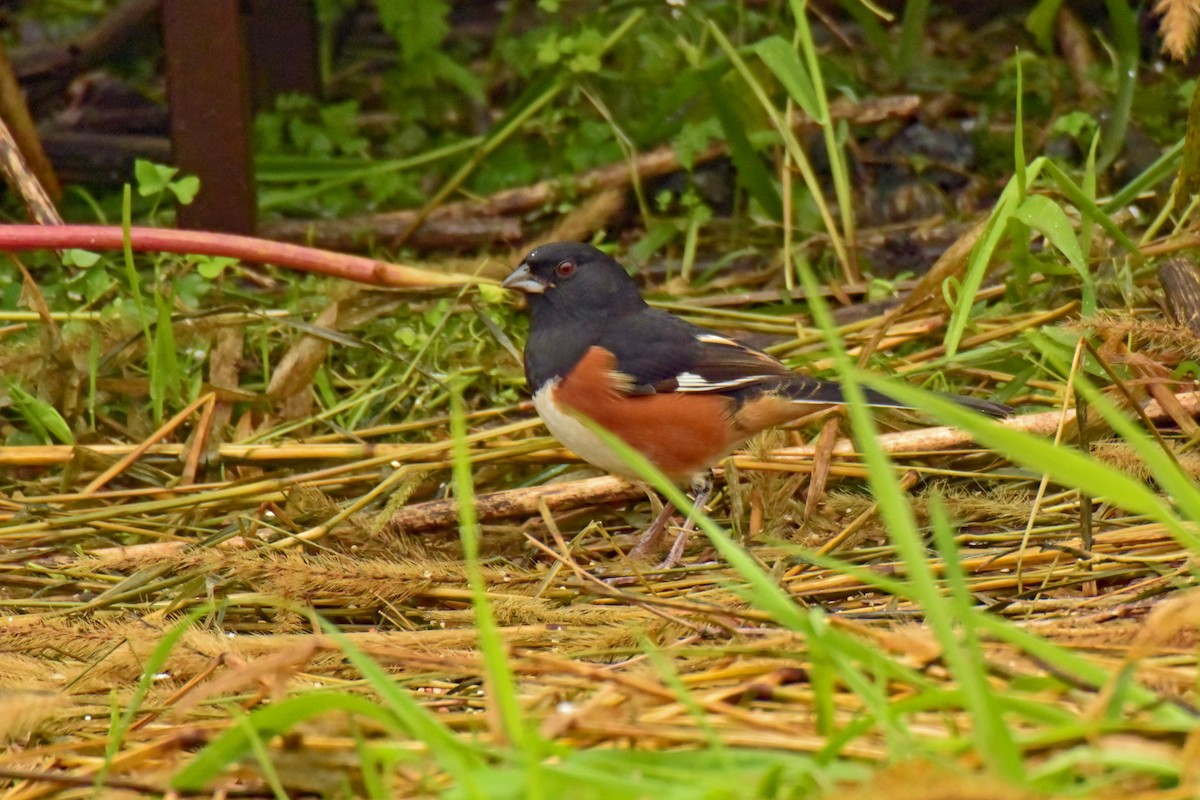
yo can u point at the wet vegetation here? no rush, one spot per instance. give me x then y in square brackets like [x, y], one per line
[273, 533]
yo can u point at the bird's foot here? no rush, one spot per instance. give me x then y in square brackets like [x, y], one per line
[651, 541]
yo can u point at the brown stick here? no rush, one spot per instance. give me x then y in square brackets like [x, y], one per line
[101, 158]
[46, 71]
[344, 233]
[440, 231]
[945, 438]
[25, 183]
[246, 248]
[516, 503]
[15, 114]
[1181, 288]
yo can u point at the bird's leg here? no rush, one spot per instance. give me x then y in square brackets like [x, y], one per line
[702, 489]
[651, 540]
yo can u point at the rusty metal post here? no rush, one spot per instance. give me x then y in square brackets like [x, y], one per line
[282, 35]
[208, 92]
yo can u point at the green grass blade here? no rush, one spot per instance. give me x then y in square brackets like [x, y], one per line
[1162, 169]
[799, 157]
[822, 673]
[1065, 662]
[912, 35]
[1045, 216]
[746, 160]
[501, 682]
[267, 722]
[150, 670]
[164, 359]
[833, 134]
[993, 743]
[981, 255]
[778, 54]
[965, 657]
[1162, 465]
[262, 755]
[1064, 465]
[1127, 44]
[457, 757]
[1088, 208]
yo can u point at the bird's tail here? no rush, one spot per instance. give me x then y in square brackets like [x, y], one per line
[806, 390]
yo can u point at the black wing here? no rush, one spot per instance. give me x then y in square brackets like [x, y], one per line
[659, 353]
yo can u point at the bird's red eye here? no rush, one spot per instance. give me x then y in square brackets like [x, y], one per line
[565, 269]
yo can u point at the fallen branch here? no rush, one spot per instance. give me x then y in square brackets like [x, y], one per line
[15, 238]
[40, 188]
[50, 454]
[46, 70]
[516, 503]
[346, 234]
[945, 438]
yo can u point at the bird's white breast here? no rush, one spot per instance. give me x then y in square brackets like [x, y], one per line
[577, 436]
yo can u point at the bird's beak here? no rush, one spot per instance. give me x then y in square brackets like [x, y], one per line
[522, 279]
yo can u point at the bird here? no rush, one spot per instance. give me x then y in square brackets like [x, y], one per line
[683, 396]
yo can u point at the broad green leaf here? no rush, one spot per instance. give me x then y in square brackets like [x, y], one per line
[1047, 218]
[746, 160]
[185, 189]
[269, 722]
[212, 266]
[1040, 23]
[152, 178]
[781, 57]
[41, 416]
[80, 258]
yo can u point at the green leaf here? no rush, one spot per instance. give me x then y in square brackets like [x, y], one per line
[1088, 208]
[418, 26]
[212, 266]
[270, 721]
[693, 138]
[1046, 217]
[41, 416]
[654, 239]
[1075, 124]
[164, 363]
[80, 258]
[1040, 23]
[152, 178]
[185, 189]
[492, 295]
[407, 336]
[548, 51]
[781, 58]
[746, 160]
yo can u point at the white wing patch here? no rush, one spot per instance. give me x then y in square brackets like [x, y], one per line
[712, 338]
[691, 382]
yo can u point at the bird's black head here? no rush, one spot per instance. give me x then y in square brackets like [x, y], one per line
[569, 280]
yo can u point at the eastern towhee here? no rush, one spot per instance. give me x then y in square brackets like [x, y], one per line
[681, 395]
